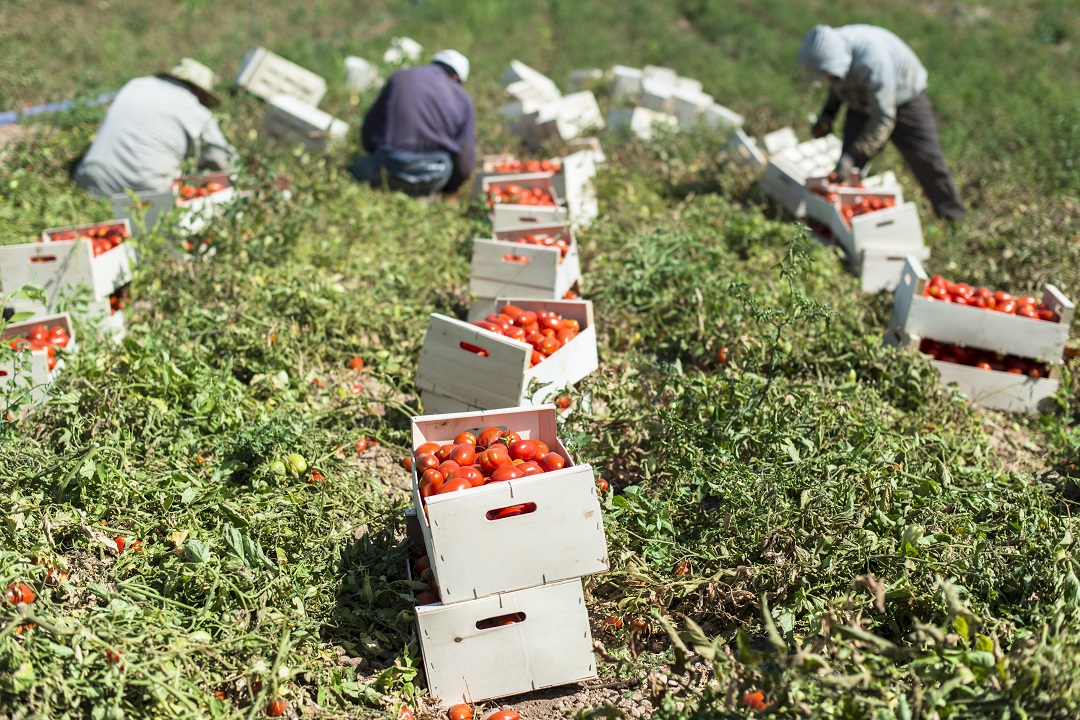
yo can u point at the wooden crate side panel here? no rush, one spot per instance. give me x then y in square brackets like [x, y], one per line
[496, 263]
[505, 216]
[152, 209]
[60, 264]
[998, 390]
[986, 329]
[266, 74]
[433, 404]
[1056, 301]
[783, 182]
[563, 538]
[552, 646]
[451, 370]
[893, 228]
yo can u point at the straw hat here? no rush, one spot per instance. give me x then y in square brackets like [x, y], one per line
[199, 78]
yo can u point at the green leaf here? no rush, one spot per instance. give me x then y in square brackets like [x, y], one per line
[197, 551]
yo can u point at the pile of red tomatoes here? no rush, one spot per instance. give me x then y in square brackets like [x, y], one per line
[42, 337]
[546, 331]
[518, 195]
[963, 294]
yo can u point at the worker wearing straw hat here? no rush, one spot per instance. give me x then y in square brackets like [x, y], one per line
[884, 86]
[152, 126]
[421, 132]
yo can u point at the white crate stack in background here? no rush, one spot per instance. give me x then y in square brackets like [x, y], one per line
[264, 74]
[531, 571]
[916, 318]
[289, 119]
[464, 367]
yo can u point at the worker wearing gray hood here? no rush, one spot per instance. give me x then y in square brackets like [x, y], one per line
[884, 86]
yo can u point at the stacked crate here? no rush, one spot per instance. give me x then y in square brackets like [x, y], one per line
[662, 97]
[514, 620]
[875, 243]
[789, 166]
[66, 259]
[916, 318]
[464, 367]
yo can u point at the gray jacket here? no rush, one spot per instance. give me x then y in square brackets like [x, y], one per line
[877, 73]
[151, 126]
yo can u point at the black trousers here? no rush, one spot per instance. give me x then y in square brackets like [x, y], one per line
[916, 137]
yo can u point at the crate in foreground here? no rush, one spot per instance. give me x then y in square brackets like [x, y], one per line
[31, 370]
[462, 362]
[560, 534]
[506, 644]
[924, 317]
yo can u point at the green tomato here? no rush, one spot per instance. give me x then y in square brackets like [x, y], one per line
[297, 463]
[277, 468]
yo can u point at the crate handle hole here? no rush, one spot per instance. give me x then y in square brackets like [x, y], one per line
[885, 223]
[529, 219]
[43, 259]
[500, 621]
[474, 349]
[521, 259]
[511, 511]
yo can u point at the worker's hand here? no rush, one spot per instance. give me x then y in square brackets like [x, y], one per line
[822, 127]
[843, 168]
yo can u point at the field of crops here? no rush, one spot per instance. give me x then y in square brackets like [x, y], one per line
[809, 515]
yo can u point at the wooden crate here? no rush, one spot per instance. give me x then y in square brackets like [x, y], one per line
[29, 372]
[785, 182]
[289, 119]
[746, 149]
[195, 214]
[626, 82]
[990, 388]
[509, 215]
[551, 645]
[264, 74]
[919, 316]
[62, 264]
[880, 269]
[570, 117]
[503, 268]
[562, 538]
[574, 184]
[503, 378]
[52, 234]
[146, 212]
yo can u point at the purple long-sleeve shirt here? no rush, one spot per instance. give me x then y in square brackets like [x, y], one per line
[424, 109]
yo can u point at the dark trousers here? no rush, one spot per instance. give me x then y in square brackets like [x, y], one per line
[916, 137]
[416, 174]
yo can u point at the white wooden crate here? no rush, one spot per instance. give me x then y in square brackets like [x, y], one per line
[505, 269]
[147, 212]
[195, 214]
[625, 82]
[561, 538]
[264, 74]
[880, 269]
[574, 184]
[503, 378]
[715, 115]
[687, 105]
[896, 229]
[639, 121]
[785, 182]
[508, 215]
[29, 371]
[746, 149]
[570, 117]
[916, 315]
[360, 75]
[111, 325]
[289, 119]
[778, 140]
[990, 388]
[518, 71]
[53, 234]
[657, 93]
[551, 645]
[62, 264]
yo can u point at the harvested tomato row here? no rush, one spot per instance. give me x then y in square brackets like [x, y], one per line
[984, 359]
[518, 195]
[42, 337]
[1000, 301]
[545, 330]
[470, 461]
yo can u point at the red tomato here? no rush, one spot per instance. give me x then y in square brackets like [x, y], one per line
[754, 700]
[553, 461]
[422, 565]
[443, 453]
[506, 472]
[356, 363]
[504, 715]
[428, 447]
[455, 485]
[602, 485]
[38, 332]
[20, 593]
[405, 713]
[433, 477]
[525, 319]
[530, 468]
[549, 345]
[465, 438]
[541, 447]
[463, 454]
[447, 466]
[407, 463]
[488, 436]
[474, 476]
[460, 712]
[511, 310]
[276, 708]
[425, 461]
[495, 456]
[522, 450]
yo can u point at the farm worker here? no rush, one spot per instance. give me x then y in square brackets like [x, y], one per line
[884, 86]
[151, 127]
[420, 134]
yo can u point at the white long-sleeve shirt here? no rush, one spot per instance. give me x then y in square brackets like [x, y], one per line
[151, 127]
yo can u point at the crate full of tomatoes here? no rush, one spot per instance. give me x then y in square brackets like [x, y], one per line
[33, 354]
[536, 261]
[522, 200]
[97, 255]
[503, 481]
[201, 199]
[523, 353]
[1001, 350]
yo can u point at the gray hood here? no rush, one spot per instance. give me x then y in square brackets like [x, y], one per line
[825, 50]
